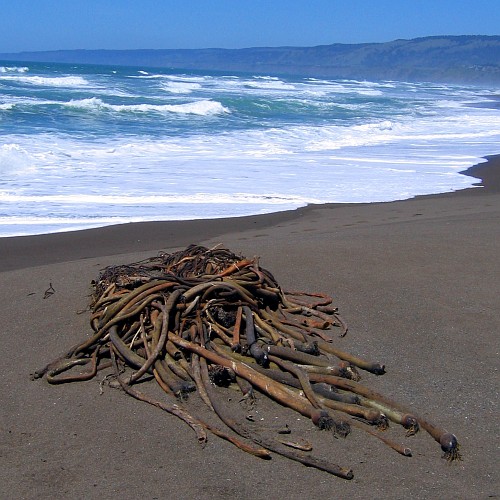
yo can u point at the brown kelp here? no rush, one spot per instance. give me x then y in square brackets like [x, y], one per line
[204, 320]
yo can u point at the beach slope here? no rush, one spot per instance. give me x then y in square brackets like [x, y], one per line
[417, 281]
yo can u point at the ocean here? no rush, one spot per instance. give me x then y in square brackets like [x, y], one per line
[86, 146]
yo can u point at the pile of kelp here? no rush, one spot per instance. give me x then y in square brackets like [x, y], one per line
[202, 320]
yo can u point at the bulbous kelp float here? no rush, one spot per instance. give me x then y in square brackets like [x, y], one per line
[203, 321]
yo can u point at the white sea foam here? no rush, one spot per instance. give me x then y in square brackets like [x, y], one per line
[180, 78]
[18, 221]
[345, 87]
[270, 84]
[179, 87]
[25, 102]
[22, 226]
[59, 81]
[188, 78]
[199, 108]
[145, 76]
[16, 160]
[136, 200]
[202, 107]
[13, 69]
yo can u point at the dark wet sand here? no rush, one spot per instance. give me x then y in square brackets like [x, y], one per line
[418, 282]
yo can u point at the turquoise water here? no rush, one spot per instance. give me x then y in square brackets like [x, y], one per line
[87, 146]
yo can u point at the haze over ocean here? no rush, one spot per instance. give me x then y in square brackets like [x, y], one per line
[88, 146]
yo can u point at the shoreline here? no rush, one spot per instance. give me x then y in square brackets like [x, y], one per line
[415, 280]
[24, 251]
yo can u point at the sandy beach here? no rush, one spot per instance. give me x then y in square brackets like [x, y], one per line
[417, 281]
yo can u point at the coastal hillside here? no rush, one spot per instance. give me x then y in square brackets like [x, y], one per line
[457, 59]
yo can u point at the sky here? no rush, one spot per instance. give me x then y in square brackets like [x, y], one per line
[30, 25]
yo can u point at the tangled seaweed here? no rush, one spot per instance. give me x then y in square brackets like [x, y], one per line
[200, 318]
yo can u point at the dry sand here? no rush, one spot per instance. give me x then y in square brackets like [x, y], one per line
[418, 282]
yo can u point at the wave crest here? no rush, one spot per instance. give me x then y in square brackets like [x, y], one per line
[202, 108]
[13, 69]
[53, 81]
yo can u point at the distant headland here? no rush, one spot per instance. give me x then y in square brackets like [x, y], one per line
[453, 59]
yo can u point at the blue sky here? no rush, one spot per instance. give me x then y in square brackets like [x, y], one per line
[27, 25]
